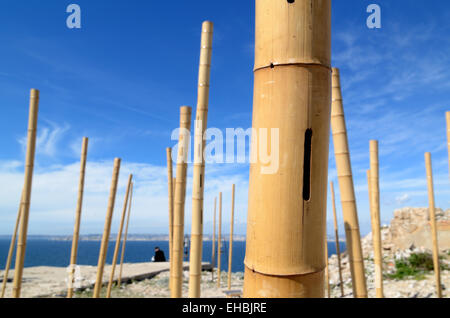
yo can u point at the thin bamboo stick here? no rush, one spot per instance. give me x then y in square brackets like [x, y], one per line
[170, 200]
[285, 229]
[375, 216]
[230, 250]
[119, 281]
[76, 230]
[342, 155]
[213, 258]
[447, 114]
[107, 229]
[336, 234]
[437, 269]
[26, 197]
[180, 198]
[195, 268]
[219, 241]
[119, 238]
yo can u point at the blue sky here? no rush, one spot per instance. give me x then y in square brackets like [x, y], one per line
[122, 77]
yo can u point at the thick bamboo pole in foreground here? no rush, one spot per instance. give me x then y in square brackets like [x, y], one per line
[336, 234]
[170, 201]
[437, 269]
[198, 187]
[347, 191]
[26, 195]
[213, 257]
[107, 229]
[287, 207]
[180, 198]
[119, 237]
[219, 241]
[119, 281]
[447, 114]
[76, 230]
[375, 217]
[230, 250]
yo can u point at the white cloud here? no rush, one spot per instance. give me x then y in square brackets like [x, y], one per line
[403, 198]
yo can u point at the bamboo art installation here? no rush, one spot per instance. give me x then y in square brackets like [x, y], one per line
[230, 249]
[195, 268]
[347, 191]
[219, 241]
[119, 281]
[107, 229]
[285, 254]
[119, 238]
[213, 257]
[448, 138]
[180, 197]
[171, 191]
[374, 190]
[336, 234]
[26, 195]
[76, 231]
[437, 269]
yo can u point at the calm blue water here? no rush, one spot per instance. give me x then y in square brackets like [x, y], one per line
[57, 253]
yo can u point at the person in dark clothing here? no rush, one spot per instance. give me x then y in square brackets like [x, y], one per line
[159, 255]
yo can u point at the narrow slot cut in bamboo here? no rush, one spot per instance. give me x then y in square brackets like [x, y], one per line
[119, 281]
[219, 241]
[107, 229]
[347, 191]
[213, 257]
[180, 198]
[119, 238]
[434, 235]
[26, 196]
[285, 254]
[336, 234]
[76, 230]
[170, 201]
[230, 250]
[198, 186]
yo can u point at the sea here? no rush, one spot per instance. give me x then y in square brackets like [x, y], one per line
[47, 252]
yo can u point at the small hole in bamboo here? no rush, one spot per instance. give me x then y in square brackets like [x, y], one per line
[290, 1]
[307, 166]
[271, 65]
[201, 181]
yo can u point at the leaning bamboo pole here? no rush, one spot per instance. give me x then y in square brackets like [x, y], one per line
[76, 230]
[198, 186]
[287, 207]
[437, 269]
[375, 217]
[219, 241]
[447, 114]
[119, 280]
[336, 234]
[213, 257]
[119, 238]
[230, 249]
[26, 196]
[170, 200]
[107, 229]
[180, 198]
[347, 191]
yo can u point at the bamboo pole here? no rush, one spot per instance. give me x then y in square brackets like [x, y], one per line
[219, 241]
[11, 251]
[180, 198]
[437, 269]
[119, 281]
[170, 200]
[213, 258]
[447, 114]
[336, 234]
[198, 187]
[342, 155]
[375, 217]
[107, 229]
[119, 238]
[230, 250]
[26, 197]
[285, 229]
[76, 231]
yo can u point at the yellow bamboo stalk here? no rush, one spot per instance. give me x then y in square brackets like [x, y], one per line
[447, 114]
[119, 281]
[213, 258]
[119, 238]
[198, 187]
[434, 235]
[76, 230]
[26, 197]
[285, 229]
[107, 229]
[375, 217]
[180, 198]
[170, 200]
[336, 234]
[342, 155]
[230, 250]
[219, 241]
